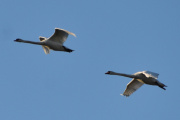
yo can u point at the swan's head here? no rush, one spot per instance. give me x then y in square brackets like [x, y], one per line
[18, 40]
[108, 72]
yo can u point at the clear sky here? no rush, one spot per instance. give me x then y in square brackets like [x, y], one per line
[124, 36]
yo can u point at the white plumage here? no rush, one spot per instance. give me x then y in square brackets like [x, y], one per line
[55, 42]
[139, 78]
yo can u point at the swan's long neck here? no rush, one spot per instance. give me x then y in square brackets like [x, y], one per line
[31, 42]
[122, 74]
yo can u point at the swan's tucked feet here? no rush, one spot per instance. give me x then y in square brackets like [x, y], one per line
[163, 87]
[70, 50]
[67, 49]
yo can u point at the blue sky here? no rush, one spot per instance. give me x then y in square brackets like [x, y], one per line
[125, 36]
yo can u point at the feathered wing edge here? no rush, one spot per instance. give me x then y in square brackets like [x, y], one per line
[132, 86]
[46, 49]
[70, 33]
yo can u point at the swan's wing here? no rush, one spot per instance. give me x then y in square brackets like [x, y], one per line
[132, 86]
[150, 74]
[60, 35]
[42, 38]
[46, 49]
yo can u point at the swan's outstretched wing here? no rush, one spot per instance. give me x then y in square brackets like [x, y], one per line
[60, 35]
[150, 74]
[132, 86]
[46, 49]
[42, 38]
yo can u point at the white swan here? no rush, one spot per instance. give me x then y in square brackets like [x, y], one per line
[139, 78]
[55, 42]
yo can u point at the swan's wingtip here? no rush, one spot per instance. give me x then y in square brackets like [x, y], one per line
[66, 31]
[74, 35]
[124, 95]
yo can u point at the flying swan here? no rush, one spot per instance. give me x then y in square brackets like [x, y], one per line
[55, 42]
[139, 78]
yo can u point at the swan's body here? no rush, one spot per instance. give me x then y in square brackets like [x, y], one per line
[139, 78]
[55, 42]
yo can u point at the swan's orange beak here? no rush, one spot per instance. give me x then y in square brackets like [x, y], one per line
[108, 72]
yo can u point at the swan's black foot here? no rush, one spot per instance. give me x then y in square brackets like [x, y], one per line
[70, 50]
[67, 49]
[161, 85]
[163, 88]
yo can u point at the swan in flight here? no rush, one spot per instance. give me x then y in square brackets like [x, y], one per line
[55, 42]
[139, 78]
